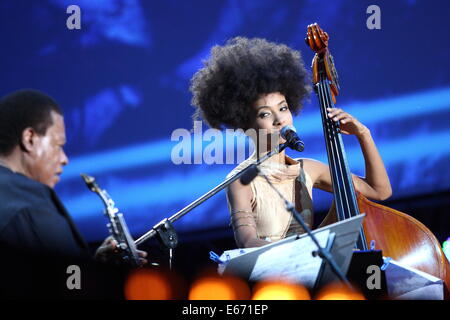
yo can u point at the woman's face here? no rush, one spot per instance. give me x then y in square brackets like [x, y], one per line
[272, 114]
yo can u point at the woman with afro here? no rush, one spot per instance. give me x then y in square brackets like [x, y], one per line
[253, 84]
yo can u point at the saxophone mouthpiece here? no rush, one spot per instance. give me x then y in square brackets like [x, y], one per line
[90, 181]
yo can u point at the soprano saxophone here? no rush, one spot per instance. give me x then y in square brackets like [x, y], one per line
[117, 226]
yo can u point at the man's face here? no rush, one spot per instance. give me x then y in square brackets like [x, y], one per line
[47, 157]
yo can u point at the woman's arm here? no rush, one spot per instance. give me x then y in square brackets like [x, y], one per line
[242, 219]
[375, 185]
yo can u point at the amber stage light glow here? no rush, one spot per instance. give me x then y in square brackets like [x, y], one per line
[278, 290]
[338, 291]
[145, 284]
[219, 288]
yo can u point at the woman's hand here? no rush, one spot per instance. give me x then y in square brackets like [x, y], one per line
[348, 123]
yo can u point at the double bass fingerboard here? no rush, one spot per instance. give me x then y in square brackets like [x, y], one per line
[344, 192]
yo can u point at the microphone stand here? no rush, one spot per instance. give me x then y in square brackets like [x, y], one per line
[321, 252]
[164, 229]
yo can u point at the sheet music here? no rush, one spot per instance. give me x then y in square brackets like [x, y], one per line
[231, 254]
[408, 283]
[291, 262]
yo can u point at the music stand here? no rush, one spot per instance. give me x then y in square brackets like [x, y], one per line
[340, 240]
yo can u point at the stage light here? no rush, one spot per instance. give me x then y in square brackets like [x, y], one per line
[422, 103]
[338, 291]
[277, 290]
[219, 288]
[446, 248]
[145, 284]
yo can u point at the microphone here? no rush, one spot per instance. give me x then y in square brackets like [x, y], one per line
[292, 139]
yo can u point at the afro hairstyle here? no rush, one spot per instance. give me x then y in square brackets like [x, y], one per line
[239, 73]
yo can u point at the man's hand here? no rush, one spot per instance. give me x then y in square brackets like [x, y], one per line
[108, 251]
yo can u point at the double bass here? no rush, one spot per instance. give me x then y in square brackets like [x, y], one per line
[397, 234]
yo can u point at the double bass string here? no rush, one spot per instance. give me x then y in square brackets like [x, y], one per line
[334, 159]
[349, 193]
[349, 208]
[352, 206]
[331, 157]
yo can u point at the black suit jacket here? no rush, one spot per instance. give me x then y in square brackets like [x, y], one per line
[32, 217]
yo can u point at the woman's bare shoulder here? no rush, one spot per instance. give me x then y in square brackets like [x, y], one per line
[313, 168]
[309, 163]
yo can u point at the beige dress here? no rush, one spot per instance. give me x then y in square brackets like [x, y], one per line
[273, 221]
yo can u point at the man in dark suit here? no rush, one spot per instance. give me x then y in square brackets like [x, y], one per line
[32, 218]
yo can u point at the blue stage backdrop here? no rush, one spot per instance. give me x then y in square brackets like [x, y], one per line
[123, 83]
